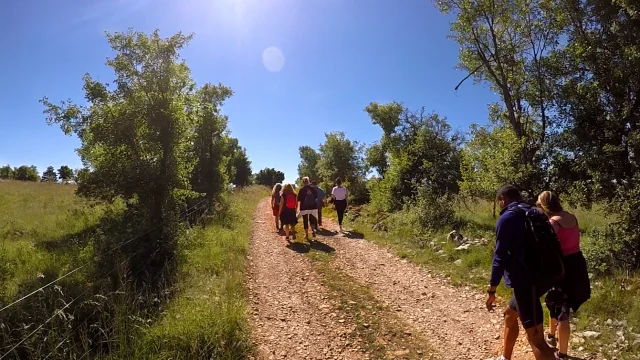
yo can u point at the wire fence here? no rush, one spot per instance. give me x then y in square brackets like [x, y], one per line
[57, 312]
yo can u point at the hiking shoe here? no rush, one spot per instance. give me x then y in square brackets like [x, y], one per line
[551, 339]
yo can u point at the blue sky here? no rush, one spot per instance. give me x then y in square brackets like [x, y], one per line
[339, 55]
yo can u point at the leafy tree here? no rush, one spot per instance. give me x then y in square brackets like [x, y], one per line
[26, 173]
[598, 98]
[6, 173]
[50, 175]
[209, 174]
[417, 151]
[136, 136]
[342, 157]
[239, 167]
[507, 45]
[81, 174]
[308, 166]
[65, 173]
[269, 177]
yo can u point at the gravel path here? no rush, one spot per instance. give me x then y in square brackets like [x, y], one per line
[454, 319]
[292, 315]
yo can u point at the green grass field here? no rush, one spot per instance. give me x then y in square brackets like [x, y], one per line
[36, 221]
[45, 231]
[614, 296]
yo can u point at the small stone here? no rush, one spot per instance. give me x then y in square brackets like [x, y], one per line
[591, 334]
[458, 262]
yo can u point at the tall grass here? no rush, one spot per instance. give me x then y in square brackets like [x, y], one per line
[207, 319]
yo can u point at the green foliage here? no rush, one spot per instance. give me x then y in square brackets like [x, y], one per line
[239, 168]
[507, 45]
[65, 173]
[26, 173]
[49, 175]
[209, 175]
[309, 159]
[269, 177]
[423, 159]
[490, 159]
[136, 136]
[342, 157]
[6, 173]
[81, 174]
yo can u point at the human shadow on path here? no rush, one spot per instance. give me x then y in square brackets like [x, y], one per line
[320, 246]
[303, 248]
[325, 232]
[300, 248]
[353, 234]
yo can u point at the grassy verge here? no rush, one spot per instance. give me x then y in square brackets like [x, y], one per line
[207, 318]
[613, 309]
[378, 330]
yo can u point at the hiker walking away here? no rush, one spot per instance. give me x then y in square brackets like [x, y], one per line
[339, 198]
[321, 196]
[275, 205]
[288, 205]
[575, 289]
[515, 260]
[308, 199]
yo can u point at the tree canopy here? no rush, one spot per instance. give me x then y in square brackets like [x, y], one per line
[269, 177]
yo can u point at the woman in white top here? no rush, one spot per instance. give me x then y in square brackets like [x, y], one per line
[339, 197]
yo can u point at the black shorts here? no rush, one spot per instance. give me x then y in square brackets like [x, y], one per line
[558, 304]
[527, 304]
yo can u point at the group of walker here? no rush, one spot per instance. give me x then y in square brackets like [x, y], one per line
[288, 206]
[538, 252]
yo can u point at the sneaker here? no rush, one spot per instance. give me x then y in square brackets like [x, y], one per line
[501, 357]
[340, 228]
[551, 339]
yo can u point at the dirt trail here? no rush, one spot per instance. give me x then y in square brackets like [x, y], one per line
[291, 310]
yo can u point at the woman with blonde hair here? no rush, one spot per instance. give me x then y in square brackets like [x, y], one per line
[288, 207]
[275, 204]
[575, 289]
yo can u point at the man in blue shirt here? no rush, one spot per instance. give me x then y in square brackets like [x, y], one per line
[321, 196]
[508, 263]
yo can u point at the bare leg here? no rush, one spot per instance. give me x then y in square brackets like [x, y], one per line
[511, 330]
[540, 349]
[277, 222]
[553, 325]
[564, 331]
[287, 229]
